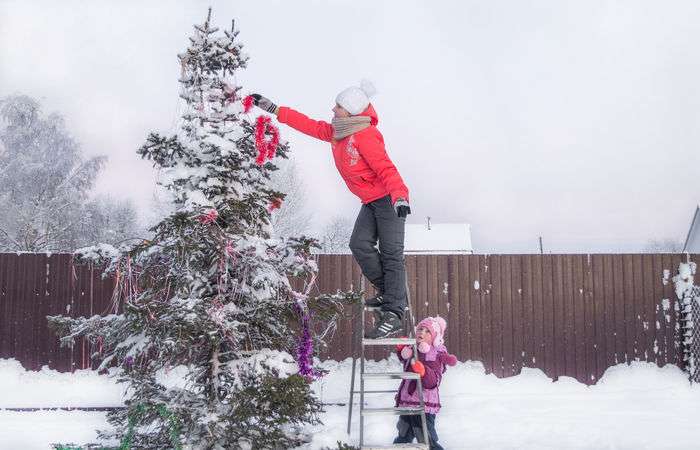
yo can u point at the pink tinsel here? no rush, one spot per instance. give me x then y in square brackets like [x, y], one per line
[229, 94]
[266, 149]
[209, 217]
[229, 248]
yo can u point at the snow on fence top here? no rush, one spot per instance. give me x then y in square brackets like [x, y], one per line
[438, 238]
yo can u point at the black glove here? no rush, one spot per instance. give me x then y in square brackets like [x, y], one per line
[264, 103]
[402, 208]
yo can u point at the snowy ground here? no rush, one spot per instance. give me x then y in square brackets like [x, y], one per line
[632, 407]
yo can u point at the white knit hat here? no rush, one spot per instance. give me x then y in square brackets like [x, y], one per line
[356, 99]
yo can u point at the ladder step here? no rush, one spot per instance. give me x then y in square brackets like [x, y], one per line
[391, 411]
[392, 391]
[400, 446]
[391, 376]
[389, 341]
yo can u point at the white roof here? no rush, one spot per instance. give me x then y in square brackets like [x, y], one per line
[439, 238]
[692, 241]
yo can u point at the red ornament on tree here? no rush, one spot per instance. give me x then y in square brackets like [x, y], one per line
[276, 203]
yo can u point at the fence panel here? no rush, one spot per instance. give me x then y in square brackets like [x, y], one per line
[573, 315]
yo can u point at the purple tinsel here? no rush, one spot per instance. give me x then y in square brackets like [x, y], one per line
[305, 349]
[129, 361]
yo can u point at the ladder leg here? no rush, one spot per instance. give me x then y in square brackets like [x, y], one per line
[412, 324]
[362, 380]
[422, 414]
[352, 379]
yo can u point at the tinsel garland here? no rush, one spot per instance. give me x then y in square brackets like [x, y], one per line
[263, 125]
[305, 348]
[266, 149]
[162, 412]
[208, 217]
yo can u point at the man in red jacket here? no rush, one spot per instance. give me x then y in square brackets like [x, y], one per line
[361, 159]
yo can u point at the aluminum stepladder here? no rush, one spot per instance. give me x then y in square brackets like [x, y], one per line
[360, 341]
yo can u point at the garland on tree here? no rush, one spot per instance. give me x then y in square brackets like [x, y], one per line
[267, 149]
[141, 409]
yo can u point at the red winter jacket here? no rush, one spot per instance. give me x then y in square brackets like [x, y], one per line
[360, 158]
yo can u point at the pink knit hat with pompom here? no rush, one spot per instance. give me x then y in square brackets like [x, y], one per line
[437, 326]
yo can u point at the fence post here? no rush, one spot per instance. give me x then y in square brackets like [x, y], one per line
[689, 314]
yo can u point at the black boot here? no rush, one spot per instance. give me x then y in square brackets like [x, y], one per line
[375, 302]
[389, 324]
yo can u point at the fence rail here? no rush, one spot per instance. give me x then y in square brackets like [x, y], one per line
[569, 315]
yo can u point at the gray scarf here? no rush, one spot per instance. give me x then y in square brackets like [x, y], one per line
[345, 126]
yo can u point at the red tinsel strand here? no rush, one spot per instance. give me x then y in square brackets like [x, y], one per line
[266, 149]
[272, 147]
[247, 104]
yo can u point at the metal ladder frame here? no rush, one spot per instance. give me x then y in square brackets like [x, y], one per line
[360, 341]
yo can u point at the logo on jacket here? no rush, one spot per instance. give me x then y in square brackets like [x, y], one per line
[352, 151]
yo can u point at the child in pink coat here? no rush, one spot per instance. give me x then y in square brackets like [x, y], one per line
[430, 364]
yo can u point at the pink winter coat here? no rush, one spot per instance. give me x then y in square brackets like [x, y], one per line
[435, 365]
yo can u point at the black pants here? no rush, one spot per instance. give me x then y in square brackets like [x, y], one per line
[378, 222]
[411, 427]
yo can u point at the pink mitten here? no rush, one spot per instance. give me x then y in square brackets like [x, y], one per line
[448, 359]
[424, 347]
[406, 352]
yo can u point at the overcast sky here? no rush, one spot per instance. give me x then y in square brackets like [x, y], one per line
[578, 121]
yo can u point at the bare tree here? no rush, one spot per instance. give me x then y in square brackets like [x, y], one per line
[162, 204]
[666, 245]
[44, 179]
[111, 221]
[292, 218]
[335, 236]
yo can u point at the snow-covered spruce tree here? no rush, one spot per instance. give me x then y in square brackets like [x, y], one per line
[211, 291]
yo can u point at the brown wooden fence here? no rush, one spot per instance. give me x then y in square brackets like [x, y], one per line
[33, 286]
[573, 315]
